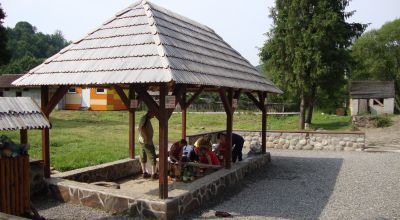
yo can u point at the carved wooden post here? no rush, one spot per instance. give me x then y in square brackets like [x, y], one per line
[163, 142]
[184, 112]
[23, 136]
[132, 112]
[45, 132]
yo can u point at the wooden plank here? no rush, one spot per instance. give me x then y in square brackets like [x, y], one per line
[22, 183]
[12, 188]
[2, 185]
[7, 184]
[163, 143]
[45, 132]
[17, 186]
[26, 186]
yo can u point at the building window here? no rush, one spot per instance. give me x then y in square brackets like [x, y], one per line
[18, 94]
[378, 102]
[100, 91]
[72, 90]
[1, 94]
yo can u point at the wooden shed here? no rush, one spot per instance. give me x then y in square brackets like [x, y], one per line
[372, 97]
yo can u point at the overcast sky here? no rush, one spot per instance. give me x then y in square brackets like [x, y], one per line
[241, 23]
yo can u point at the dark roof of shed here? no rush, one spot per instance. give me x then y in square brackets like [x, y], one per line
[370, 89]
[7, 79]
[146, 43]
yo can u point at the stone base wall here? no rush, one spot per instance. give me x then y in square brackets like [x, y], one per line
[103, 172]
[332, 141]
[180, 202]
[38, 185]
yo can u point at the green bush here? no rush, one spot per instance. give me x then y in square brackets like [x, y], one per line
[382, 121]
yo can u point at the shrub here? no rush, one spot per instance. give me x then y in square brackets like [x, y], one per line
[382, 121]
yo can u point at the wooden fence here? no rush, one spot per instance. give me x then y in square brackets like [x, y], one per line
[14, 185]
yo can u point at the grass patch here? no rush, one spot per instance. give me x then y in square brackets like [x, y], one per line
[84, 138]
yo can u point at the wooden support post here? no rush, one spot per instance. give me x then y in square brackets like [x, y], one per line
[227, 102]
[184, 110]
[132, 112]
[264, 122]
[23, 136]
[163, 144]
[45, 132]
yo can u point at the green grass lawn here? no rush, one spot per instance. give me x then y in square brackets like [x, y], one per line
[84, 138]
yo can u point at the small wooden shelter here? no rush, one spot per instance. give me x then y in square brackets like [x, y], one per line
[18, 113]
[148, 48]
[372, 97]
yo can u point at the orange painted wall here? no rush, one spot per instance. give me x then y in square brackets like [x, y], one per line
[94, 97]
[69, 104]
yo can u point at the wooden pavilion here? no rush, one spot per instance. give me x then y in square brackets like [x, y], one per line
[148, 48]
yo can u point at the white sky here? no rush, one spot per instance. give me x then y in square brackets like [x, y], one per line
[241, 23]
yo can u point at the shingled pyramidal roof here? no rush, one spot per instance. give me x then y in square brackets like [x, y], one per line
[146, 43]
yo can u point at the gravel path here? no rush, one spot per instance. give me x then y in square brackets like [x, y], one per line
[387, 138]
[297, 185]
[317, 185]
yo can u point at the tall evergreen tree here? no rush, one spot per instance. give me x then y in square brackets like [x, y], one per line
[4, 53]
[307, 50]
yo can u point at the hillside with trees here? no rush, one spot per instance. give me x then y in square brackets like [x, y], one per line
[23, 47]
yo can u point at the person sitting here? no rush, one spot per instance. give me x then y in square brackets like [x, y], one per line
[189, 154]
[204, 141]
[207, 156]
[176, 151]
[237, 146]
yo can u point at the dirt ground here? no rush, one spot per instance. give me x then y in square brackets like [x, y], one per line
[384, 139]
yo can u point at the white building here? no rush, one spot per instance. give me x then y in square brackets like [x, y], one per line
[372, 97]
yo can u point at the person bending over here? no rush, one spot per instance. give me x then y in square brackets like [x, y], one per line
[148, 150]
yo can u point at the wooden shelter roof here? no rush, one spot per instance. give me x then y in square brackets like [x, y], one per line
[146, 43]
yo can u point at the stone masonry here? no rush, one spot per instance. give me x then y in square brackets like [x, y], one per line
[332, 141]
[183, 199]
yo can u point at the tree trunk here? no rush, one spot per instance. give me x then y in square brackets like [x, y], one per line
[302, 110]
[311, 104]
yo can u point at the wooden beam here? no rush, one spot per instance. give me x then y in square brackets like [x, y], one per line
[148, 100]
[163, 143]
[227, 102]
[184, 113]
[255, 101]
[55, 99]
[45, 132]
[122, 95]
[194, 96]
[23, 133]
[132, 112]
[264, 122]
[178, 90]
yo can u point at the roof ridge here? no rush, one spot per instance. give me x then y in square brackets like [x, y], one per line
[153, 27]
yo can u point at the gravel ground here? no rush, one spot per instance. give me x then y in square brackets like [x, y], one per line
[297, 185]
[317, 185]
